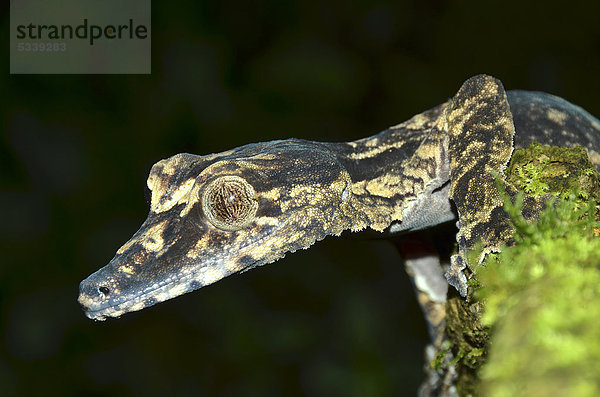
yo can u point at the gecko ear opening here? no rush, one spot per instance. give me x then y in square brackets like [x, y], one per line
[229, 202]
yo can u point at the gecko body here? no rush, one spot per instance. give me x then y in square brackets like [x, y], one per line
[219, 214]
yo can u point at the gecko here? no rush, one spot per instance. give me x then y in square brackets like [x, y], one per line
[220, 214]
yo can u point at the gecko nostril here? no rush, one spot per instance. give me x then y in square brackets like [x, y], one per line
[104, 291]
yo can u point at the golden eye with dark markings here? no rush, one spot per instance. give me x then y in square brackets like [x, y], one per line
[229, 202]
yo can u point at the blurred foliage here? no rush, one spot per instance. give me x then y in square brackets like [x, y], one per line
[542, 301]
[339, 319]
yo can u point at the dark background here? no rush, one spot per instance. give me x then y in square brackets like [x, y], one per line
[337, 320]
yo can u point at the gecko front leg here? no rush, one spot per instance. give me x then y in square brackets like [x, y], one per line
[480, 143]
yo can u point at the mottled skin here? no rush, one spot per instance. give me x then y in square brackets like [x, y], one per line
[219, 214]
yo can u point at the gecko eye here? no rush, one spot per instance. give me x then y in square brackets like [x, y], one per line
[229, 202]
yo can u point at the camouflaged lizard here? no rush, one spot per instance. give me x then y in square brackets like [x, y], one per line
[219, 214]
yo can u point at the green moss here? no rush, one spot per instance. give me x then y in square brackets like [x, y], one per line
[539, 169]
[469, 341]
[541, 298]
[439, 360]
[529, 326]
[542, 301]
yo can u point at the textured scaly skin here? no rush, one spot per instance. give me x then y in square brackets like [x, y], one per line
[286, 195]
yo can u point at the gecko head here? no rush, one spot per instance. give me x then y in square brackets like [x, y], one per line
[212, 216]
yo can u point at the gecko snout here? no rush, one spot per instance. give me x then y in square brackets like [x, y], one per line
[92, 294]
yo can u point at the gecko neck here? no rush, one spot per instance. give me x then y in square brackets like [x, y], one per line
[400, 165]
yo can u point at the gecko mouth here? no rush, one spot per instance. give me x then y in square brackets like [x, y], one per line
[100, 302]
[98, 305]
